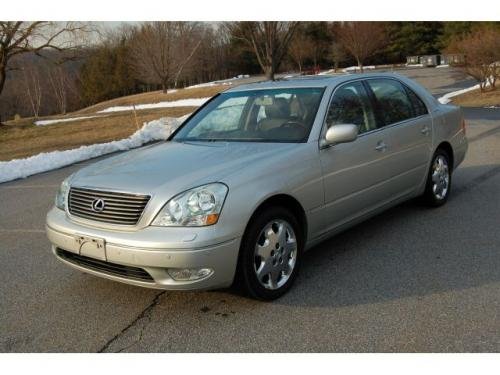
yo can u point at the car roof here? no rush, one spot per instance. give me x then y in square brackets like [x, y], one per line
[309, 81]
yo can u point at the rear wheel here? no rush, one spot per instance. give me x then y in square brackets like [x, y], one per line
[437, 188]
[270, 254]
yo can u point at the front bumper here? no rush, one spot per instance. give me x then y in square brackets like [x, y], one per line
[133, 249]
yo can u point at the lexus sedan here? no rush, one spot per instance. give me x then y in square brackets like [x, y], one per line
[255, 177]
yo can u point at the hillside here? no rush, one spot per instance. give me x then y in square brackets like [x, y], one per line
[87, 126]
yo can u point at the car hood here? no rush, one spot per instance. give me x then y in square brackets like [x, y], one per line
[174, 166]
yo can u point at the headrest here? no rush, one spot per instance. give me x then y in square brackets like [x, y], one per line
[279, 109]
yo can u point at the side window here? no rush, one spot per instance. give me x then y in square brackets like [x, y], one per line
[350, 105]
[418, 105]
[393, 103]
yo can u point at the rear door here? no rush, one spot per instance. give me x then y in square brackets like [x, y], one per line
[405, 134]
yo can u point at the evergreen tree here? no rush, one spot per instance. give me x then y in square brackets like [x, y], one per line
[106, 74]
[413, 38]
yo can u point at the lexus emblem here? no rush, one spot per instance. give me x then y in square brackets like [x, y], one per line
[98, 205]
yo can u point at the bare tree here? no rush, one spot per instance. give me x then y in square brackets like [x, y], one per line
[33, 89]
[337, 54]
[268, 39]
[482, 55]
[301, 49]
[361, 39]
[58, 79]
[23, 37]
[160, 51]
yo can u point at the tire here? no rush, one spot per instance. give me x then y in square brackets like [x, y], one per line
[438, 184]
[263, 249]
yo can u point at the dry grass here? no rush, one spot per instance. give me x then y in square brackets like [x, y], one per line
[23, 140]
[155, 97]
[478, 99]
[19, 139]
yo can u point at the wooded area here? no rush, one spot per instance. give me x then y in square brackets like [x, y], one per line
[52, 68]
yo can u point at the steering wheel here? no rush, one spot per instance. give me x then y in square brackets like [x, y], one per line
[291, 124]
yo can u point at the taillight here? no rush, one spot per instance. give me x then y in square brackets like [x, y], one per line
[463, 125]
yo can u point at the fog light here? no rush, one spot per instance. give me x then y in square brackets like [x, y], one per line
[189, 274]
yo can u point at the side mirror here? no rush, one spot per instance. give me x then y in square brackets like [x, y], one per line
[341, 134]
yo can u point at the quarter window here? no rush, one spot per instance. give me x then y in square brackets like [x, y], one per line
[418, 105]
[393, 102]
[351, 105]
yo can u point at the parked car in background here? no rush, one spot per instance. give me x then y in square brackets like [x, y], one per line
[256, 176]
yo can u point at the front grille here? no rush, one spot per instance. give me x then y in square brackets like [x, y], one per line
[119, 208]
[128, 272]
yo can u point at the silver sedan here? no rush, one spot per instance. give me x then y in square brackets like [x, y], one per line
[255, 177]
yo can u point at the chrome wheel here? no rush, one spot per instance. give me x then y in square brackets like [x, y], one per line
[440, 177]
[275, 254]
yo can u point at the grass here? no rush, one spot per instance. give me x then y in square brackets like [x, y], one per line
[20, 139]
[477, 98]
[155, 97]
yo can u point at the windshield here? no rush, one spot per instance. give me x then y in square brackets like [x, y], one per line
[275, 115]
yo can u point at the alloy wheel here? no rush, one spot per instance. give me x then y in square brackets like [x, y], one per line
[440, 177]
[275, 254]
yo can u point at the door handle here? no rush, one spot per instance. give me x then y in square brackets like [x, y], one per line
[425, 130]
[381, 146]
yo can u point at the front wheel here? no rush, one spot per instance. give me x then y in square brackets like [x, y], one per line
[437, 188]
[270, 254]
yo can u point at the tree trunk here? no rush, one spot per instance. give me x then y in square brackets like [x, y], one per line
[2, 83]
[269, 71]
[360, 65]
[3, 76]
[164, 86]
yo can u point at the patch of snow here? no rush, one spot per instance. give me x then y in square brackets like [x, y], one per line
[152, 131]
[415, 65]
[443, 66]
[175, 103]
[207, 84]
[57, 120]
[356, 68]
[220, 82]
[492, 107]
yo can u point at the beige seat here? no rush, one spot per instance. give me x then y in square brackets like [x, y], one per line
[276, 114]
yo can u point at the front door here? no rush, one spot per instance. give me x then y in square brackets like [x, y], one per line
[355, 173]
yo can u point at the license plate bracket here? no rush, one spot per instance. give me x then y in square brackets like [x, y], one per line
[92, 247]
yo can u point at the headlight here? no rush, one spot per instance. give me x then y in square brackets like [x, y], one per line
[194, 208]
[62, 194]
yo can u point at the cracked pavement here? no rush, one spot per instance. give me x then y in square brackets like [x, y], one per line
[410, 279]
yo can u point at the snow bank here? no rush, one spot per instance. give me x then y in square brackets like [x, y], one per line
[152, 131]
[445, 99]
[415, 65]
[356, 68]
[221, 82]
[57, 120]
[443, 66]
[175, 103]
[207, 84]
